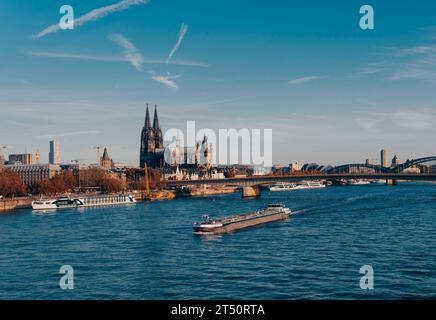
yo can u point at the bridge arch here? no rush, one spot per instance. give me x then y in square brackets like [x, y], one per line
[343, 168]
[379, 169]
[412, 163]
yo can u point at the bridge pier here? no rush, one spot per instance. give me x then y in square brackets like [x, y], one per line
[251, 192]
[391, 182]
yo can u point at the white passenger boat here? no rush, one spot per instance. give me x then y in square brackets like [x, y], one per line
[358, 182]
[92, 201]
[283, 187]
[310, 185]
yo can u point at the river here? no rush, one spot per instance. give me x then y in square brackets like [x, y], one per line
[148, 250]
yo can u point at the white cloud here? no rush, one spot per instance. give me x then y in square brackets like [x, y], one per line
[368, 123]
[130, 53]
[416, 120]
[75, 56]
[182, 33]
[304, 80]
[167, 80]
[371, 69]
[418, 50]
[94, 15]
[103, 58]
[413, 120]
[68, 134]
[417, 62]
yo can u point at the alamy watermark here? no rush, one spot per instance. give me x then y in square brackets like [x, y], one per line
[225, 147]
[367, 280]
[367, 20]
[67, 280]
[67, 20]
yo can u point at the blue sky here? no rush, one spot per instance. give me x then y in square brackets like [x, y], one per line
[331, 92]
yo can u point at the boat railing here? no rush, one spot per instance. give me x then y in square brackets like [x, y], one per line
[235, 218]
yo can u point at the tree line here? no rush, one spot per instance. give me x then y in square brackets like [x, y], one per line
[11, 185]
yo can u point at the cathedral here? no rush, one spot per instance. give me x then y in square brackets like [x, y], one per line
[152, 148]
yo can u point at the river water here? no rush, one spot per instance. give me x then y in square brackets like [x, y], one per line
[148, 250]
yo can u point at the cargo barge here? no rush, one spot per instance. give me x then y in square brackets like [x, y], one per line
[273, 212]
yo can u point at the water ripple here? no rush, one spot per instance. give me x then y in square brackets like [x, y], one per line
[148, 251]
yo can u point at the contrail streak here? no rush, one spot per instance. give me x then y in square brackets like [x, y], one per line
[94, 15]
[182, 32]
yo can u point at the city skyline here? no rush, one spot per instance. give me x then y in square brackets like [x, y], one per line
[385, 160]
[339, 96]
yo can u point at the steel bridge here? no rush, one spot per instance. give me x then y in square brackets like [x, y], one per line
[259, 180]
[393, 173]
[378, 168]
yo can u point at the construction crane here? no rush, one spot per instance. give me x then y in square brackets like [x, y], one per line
[98, 154]
[147, 182]
[77, 162]
[155, 195]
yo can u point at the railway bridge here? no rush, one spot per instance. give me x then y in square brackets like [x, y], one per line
[250, 185]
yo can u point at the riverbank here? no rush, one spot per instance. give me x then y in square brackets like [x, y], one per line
[7, 205]
[206, 191]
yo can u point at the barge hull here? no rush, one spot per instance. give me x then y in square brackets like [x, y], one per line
[242, 224]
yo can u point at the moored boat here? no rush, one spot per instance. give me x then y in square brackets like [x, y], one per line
[310, 185]
[358, 182]
[283, 187]
[65, 202]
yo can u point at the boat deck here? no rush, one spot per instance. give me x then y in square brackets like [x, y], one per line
[247, 216]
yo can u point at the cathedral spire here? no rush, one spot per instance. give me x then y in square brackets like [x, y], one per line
[152, 147]
[105, 154]
[147, 119]
[156, 119]
[158, 138]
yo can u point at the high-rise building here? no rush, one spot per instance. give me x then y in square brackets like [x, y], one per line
[384, 161]
[53, 155]
[152, 149]
[23, 158]
[2, 161]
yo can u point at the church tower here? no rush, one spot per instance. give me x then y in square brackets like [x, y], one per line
[147, 140]
[105, 161]
[151, 151]
[158, 138]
